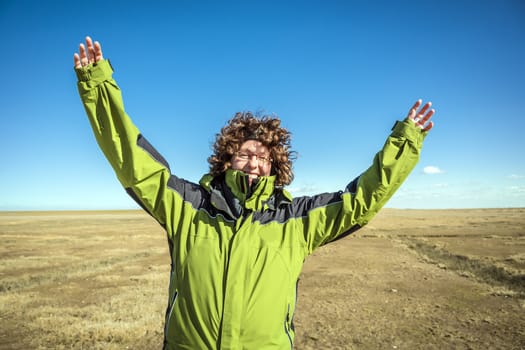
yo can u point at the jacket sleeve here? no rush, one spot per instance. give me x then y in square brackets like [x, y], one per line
[139, 168]
[331, 216]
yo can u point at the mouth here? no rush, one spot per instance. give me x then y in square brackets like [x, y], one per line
[252, 177]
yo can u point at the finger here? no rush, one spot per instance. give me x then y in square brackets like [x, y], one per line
[412, 114]
[76, 59]
[416, 105]
[90, 49]
[98, 52]
[428, 116]
[412, 111]
[425, 108]
[429, 126]
[83, 55]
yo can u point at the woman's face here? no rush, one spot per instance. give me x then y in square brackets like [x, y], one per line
[253, 158]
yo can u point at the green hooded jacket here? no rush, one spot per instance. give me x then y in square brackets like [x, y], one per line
[236, 252]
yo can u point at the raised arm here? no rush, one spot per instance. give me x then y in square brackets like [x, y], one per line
[334, 215]
[139, 167]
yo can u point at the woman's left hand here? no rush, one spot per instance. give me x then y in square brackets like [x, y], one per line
[422, 117]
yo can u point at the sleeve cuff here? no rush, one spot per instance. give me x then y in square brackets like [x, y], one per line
[98, 72]
[409, 130]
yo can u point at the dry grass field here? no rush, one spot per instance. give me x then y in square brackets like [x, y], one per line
[412, 279]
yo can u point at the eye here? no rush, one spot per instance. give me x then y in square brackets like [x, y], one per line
[243, 156]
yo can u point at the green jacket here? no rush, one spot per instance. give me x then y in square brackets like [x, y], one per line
[236, 253]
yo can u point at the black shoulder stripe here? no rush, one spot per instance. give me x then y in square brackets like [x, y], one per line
[197, 197]
[352, 186]
[145, 145]
[302, 205]
[189, 191]
[299, 207]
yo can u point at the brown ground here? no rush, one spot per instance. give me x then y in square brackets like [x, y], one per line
[412, 279]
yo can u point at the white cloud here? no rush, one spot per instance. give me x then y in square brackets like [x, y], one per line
[431, 170]
[516, 190]
[516, 177]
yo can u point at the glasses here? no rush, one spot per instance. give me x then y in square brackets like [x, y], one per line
[245, 157]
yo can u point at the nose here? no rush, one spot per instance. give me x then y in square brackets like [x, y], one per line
[253, 162]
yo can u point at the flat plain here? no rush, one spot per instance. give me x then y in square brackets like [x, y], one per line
[411, 279]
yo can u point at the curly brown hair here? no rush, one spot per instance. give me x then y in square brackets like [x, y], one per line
[267, 130]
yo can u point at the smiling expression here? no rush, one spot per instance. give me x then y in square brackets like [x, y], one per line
[252, 158]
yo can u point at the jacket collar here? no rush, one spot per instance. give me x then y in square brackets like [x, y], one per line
[231, 193]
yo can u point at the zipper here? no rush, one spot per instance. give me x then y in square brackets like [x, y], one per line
[286, 327]
[168, 315]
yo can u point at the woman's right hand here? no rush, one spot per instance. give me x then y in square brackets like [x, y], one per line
[91, 55]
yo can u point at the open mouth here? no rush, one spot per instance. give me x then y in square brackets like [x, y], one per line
[252, 178]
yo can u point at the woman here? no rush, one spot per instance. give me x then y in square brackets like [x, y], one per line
[238, 239]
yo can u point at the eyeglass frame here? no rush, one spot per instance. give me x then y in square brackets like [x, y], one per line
[246, 157]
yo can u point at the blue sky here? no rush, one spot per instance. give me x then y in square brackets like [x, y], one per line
[338, 73]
